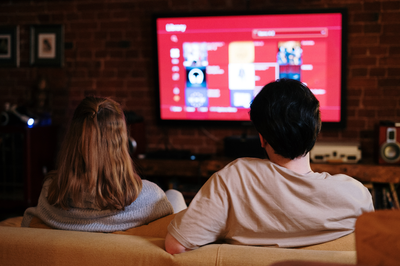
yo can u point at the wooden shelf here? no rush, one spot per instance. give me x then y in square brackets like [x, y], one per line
[365, 172]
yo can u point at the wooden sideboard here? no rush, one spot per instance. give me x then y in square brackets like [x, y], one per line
[364, 172]
[188, 176]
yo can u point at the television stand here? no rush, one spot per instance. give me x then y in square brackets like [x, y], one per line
[176, 155]
[177, 173]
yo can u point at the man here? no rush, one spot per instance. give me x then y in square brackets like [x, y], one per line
[277, 201]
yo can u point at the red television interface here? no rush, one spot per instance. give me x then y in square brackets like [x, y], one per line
[210, 67]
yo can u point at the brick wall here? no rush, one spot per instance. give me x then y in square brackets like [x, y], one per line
[109, 53]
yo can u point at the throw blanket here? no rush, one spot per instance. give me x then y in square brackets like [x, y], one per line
[150, 205]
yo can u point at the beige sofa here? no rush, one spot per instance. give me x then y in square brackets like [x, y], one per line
[145, 246]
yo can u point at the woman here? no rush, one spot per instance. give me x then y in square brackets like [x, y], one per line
[95, 186]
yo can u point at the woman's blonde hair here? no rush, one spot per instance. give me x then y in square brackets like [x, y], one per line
[94, 158]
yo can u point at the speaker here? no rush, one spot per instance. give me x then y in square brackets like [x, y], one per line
[389, 147]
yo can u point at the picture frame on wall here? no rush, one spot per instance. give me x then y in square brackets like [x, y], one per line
[9, 46]
[47, 45]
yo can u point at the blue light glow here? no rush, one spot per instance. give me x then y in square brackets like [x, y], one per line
[30, 122]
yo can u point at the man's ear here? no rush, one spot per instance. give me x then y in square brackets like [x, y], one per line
[262, 140]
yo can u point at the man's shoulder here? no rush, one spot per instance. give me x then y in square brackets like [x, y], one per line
[244, 165]
[247, 161]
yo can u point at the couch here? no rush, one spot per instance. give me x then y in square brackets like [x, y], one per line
[144, 245]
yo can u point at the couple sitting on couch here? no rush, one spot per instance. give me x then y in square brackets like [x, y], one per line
[278, 201]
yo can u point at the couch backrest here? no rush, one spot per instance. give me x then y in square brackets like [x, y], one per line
[32, 246]
[35, 246]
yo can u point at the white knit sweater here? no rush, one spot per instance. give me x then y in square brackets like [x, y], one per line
[150, 205]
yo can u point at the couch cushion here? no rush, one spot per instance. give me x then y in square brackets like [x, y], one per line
[157, 228]
[345, 243]
[33, 246]
[309, 263]
[14, 222]
[234, 255]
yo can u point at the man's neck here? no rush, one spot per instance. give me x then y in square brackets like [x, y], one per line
[300, 165]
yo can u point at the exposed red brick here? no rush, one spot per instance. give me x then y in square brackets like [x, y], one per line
[357, 72]
[119, 63]
[377, 72]
[391, 92]
[372, 6]
[109, 84]
[372, 28]
[388, 114]
[394, 72]
[389, 61]
[356, 29]
[366, 17]
[112, 25]
[81, 83]
[95, 6]
[392, 28]
[354, 92]
[88, 44]
[362, 82]
[350, 134]
[390, 16]
[375, 93]
[378, 103]
[88, 16]
[378, 50]
[364, 40]
[358, 51]
[391, 39]
[394, 50]
[101, 73]
[83, 26]
[352, 102]
[362, 113]
[85, 54]
[390, 5]
[394, 82]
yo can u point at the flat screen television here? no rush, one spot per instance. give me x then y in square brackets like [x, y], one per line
[210, 66]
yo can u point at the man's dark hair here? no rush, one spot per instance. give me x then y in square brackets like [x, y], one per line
[286, 114]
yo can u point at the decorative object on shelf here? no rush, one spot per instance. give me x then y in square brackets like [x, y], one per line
[47, 45]
[9, 46]
[336, 152]
[389, 138]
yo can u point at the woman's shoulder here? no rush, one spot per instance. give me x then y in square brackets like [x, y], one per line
[150, 188]
[150, 195]
[150, 185]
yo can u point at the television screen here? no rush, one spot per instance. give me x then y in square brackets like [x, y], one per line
[210, 67]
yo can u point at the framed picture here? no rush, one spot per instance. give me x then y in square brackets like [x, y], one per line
[47, 45]
[9, 46]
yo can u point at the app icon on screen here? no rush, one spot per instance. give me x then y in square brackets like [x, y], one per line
[289, 58]
[241, 73]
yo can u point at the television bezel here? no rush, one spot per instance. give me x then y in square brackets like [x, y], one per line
[239, 123]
